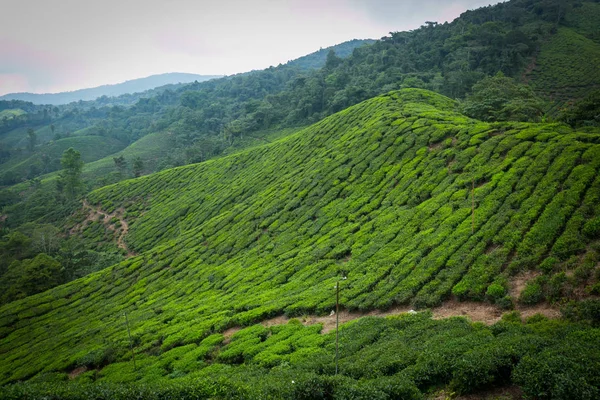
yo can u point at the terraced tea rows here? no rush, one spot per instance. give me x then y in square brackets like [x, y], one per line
[379, 193]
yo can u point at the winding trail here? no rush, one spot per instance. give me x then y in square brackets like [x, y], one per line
[93, 216]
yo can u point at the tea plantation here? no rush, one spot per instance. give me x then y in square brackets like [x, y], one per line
[409, 200]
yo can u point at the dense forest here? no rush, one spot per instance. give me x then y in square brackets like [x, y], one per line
[456, 164]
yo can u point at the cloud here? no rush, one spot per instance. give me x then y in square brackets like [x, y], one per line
[69, 44]
[410, 14]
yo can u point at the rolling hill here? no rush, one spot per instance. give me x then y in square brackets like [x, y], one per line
[131, 86]
[47, 156]
[405, 201]
[466, 253]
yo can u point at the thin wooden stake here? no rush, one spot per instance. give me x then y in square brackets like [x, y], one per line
[130, 341]
[473, 208]
[337, 324]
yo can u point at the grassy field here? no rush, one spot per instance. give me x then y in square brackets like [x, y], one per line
[150, 148]
[379, 193]
[11, 113]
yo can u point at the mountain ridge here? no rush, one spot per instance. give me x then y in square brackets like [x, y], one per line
[110, 90]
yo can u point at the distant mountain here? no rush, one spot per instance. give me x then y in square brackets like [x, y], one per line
[132, 86]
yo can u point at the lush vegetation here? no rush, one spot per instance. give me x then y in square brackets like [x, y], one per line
[550, 44]
[414, 197]
[564, 74]
[400, 357]
[379, 193]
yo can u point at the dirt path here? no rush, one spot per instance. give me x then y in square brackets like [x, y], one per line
[476, 312]
[76, 372]
[93, 216]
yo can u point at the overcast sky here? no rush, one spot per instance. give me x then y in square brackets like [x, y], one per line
[59, 45]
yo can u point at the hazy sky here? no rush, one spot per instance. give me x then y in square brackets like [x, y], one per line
[58, 45]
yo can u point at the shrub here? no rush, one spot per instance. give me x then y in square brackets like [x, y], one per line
[548, 264]
[533, 292]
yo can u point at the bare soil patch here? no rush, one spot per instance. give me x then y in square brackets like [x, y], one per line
[498, 393]
[485, 313]
[76, 372]
[519, 282]
[229, 333]
[94, 214]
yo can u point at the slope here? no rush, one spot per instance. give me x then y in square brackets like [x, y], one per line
[378, 193]
[317, 59]
[566, 67]
[47, 157]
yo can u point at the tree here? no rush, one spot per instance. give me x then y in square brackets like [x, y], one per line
[30, 276]
[121, 164]
[70, 176]
[46, 239]
[32, 139]
[138, 166]
[332, 60]
[499, 98]
[584, 112]
[15, 245]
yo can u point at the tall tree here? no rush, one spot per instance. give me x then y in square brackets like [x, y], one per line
[121, 164]
[138, 166]
[70, 176]
[32, 139]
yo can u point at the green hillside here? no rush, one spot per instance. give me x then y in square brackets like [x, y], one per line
[48, 156]
[566, 67]
[379, 193]
[552, 44]
[150, 148]
[11, 113]
[317, 59]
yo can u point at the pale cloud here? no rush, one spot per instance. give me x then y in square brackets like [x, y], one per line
[57, 45]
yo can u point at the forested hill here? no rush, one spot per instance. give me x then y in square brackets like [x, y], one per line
[131, 86]
[318, 59]
[404, 199]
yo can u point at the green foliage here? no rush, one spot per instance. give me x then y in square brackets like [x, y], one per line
[138, 166]
[533, 292]
[568, 371]
[500, 98]
[47, 157]
[587, 310]
[584, 112]
[70, 181]
[400, 357]
[565, 74]
[29, 276]
[379, 193]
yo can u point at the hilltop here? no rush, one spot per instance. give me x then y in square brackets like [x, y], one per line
[380, 194]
